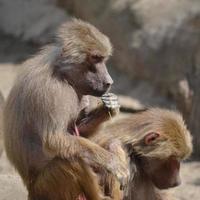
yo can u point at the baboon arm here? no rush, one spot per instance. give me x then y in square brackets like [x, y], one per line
[69, 147]
[92, 121]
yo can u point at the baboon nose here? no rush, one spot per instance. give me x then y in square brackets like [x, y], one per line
[109, 82]
[177, 183]
[107, 85]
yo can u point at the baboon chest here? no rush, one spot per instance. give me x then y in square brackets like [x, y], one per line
[79, 113]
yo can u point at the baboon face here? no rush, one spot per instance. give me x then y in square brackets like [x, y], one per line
[163, 173]
[81, 61]
[90, 77]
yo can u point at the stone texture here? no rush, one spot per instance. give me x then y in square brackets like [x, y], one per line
[30, 20]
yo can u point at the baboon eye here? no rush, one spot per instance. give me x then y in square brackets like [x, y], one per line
[96, 59]
[92, 68]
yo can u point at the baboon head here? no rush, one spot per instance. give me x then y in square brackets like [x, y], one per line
[164, 142]
[82, 58]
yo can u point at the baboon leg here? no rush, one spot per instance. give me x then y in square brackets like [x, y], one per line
[115, 192]
[66, 180]
[110, 185]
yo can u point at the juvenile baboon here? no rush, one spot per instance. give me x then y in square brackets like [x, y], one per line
[156, 141]
[47, 100]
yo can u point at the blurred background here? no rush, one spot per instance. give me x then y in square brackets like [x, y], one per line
[156, 60]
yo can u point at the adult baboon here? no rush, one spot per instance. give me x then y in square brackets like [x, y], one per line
[42, 110]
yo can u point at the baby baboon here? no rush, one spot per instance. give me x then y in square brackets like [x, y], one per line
[156, 141]
[42, 110]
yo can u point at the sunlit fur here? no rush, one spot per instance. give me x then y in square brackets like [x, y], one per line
[81, 39]
[175, 140]
[40, 110]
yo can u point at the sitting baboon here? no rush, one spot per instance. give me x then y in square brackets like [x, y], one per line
[42, 110]
[155, 141]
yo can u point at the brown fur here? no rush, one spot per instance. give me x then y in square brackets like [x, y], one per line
[148, 162]
[49, 96]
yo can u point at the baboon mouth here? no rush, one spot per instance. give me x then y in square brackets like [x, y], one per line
[98, 93]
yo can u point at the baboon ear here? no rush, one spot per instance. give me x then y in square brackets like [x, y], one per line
[151, 137]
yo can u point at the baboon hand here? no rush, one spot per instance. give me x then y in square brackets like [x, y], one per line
[111, 102]
[120, 170]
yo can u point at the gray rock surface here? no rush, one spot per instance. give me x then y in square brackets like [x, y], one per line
[30, 20]
[11, 186]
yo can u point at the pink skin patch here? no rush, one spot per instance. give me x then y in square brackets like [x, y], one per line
[76, 130]
[81, 197]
